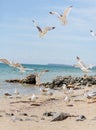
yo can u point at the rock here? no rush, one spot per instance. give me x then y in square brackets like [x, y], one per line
[30, 79]
[71, 82]
[49, 113]
[80, 118]
[13, 81]
[24, 114]
[59, 117]
[7, 94]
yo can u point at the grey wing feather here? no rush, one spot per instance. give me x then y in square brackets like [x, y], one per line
[39, 29]
[66, 12]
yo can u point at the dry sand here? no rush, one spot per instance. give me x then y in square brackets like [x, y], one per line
[23, 114]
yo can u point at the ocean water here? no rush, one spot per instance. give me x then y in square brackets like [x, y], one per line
[7, 72]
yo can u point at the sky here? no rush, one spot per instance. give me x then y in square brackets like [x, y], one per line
[20, 41]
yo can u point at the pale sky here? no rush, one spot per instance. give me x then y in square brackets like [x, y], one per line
[19, 39]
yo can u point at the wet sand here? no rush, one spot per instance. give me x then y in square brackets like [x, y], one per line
[23, 114]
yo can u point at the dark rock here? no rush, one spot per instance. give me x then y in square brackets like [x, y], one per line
[71, 82]
[7, 94]
[49, 113]
[24, 114]
[59, 117]
[13, 81]
[81, 118]
[30, 79]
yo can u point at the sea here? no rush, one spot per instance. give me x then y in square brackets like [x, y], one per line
[7, 73]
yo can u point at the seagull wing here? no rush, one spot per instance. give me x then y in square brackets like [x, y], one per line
[81, 63]
[39, 29]
[35, 24]
[66, 12]
[56, 13]
[46, 29]
[5, 61]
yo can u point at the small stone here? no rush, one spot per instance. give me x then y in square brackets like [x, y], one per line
[61, 116]
[81, 118]
[49, 113]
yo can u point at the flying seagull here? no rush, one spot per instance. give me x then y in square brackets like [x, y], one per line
[82, 65]
[38, 75]
[42, 32]
[93, 33]
[12, 64]
[63, 17]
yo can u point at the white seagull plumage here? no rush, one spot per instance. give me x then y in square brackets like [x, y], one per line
[82, 65]
[42, 32]
[93, 33]
[90, 94]
[33, 97]
[12, 64]
[38, 75]
[63, 17]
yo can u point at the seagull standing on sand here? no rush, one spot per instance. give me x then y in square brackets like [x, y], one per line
[90, 94]
[42, 32]
[81, 65]
[63, 17]
[67, 99]
[93, 33]
[33, 97]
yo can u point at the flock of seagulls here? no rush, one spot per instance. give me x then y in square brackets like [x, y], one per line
[62, 18]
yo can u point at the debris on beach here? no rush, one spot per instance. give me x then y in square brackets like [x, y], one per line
[30, 79]
[80, 118]
[60, 116]
[71, 82]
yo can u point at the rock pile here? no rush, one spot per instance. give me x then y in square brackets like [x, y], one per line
[70, 81]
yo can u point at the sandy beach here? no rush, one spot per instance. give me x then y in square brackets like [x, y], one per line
[19, 113]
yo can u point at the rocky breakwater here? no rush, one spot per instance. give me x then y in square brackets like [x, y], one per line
[30, 79]
[71, 82]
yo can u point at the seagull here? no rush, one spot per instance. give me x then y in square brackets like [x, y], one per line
[12, 64]
[38, 75]
[90, 94]
[82, 65]
[16, 92]
[33, 97]
[93, 33]
[42, 32]
[63, 17]
[45, 91]
[64, 88]
[67, 99]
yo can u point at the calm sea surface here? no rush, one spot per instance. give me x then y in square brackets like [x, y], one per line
[7, 72]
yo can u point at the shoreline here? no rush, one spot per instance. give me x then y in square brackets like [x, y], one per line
[21, 113]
